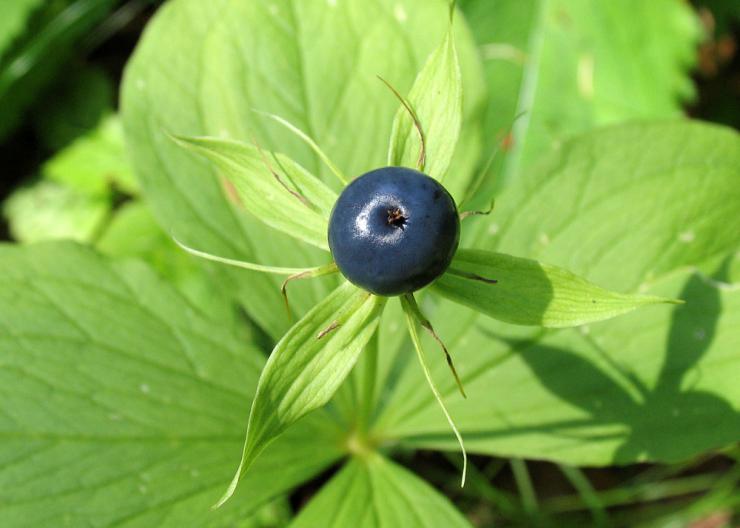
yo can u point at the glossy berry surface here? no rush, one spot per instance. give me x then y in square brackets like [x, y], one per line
[393, 230]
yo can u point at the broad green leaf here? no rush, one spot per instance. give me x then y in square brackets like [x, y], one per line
[47, 210]
[614, 208]
[374, 492]
[733, 269]
[116, 391]
[203, 68]
[533, 51]
[132, 232]
[658, 385]
[571, 65]
[277, 191]
[627, 204]
[307, 366]
[436, 100]
[528, 292]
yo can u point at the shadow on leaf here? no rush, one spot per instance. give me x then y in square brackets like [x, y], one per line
[670, 410]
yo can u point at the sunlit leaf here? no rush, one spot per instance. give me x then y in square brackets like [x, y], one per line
[132, 232]
[373, 492]
[633, 208]
[117, 391]
[277, 191]
[436, 100]
[657, 385]
[307, 366]
[627, 204]
[47, 210]
[528, 292]
[568, 66]
[412, 317]
[203, 68]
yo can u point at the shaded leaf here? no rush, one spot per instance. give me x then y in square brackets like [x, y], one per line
[78, 103]
[307, 366]
[14, 19]
[656, 385]
[95, 162]
[73, 199]
[35, 59]
[528, 292]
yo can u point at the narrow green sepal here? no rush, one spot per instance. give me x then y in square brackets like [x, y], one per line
[411, 323]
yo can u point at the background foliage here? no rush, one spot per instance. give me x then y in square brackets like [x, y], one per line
[126, 367]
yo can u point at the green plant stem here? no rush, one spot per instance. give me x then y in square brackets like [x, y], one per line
[590, 498]
[367, 388]
[277, 270]
[721, 497]
[410, 302]
[647, 492]
[662, 472]
[525, 487]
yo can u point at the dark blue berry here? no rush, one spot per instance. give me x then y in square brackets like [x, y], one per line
[393, 230]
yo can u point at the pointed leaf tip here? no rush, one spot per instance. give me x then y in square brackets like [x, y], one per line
[436, 98]
[269, 193]
[308, 140]
[303, 372]
[531, 293]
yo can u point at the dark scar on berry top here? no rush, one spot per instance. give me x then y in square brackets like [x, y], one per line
[396, 218]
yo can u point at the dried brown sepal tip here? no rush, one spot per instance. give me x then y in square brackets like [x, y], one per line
[471, 276]
[277, 177]
[424, 322]
[333, 326]
[284, 290]
[485, 212]
[422, 159]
